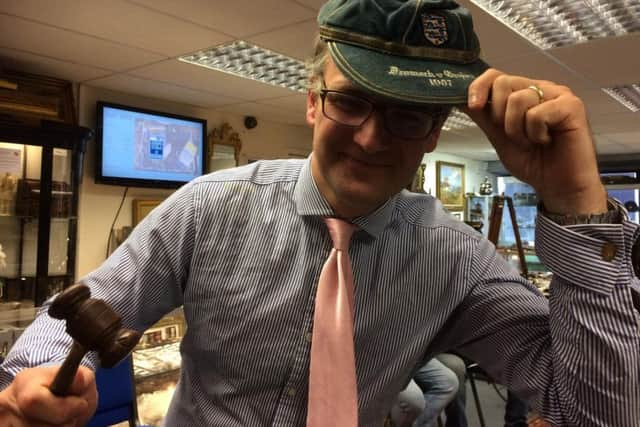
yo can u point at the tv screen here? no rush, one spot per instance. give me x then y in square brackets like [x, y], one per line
[144, 148]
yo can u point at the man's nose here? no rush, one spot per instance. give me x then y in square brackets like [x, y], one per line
[372, 136]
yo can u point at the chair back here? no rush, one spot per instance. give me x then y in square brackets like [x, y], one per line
[116, 396]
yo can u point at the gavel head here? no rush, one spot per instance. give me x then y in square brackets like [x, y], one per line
[93, 324]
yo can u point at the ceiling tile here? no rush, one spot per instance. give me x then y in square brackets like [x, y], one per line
[266, 112]
[613, 123]
[65, 45]
[153, 89]
[295, 40]
[631, 139]
[604, 147]
[538, 65]
[607, 62]
[599, 103]
[238, 18]
[314, 4]
[36, 64]
[627, 149]
[470, 142]
[117, 20]
[196, 77]
[497, 40]
[296, 103]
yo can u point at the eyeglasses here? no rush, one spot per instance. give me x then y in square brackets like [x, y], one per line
[352, 110]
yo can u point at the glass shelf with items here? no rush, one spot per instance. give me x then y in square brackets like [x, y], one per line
[156, 366]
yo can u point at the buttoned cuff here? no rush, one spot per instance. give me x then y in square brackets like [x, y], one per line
[595, 256]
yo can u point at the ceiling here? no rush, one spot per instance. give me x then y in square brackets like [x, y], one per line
[132, 45]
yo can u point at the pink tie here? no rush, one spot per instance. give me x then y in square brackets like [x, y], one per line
[333, 391]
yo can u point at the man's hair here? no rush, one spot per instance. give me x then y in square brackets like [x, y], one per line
[315, 65]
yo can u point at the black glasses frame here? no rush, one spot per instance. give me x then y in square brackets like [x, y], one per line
[437, 117]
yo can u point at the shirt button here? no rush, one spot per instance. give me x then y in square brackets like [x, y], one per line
[609, 251]
[291, 391]
[308, 336]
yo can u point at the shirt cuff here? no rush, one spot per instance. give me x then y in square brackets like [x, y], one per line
[594, 256]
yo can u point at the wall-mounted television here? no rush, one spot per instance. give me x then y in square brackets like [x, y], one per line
[144, 148]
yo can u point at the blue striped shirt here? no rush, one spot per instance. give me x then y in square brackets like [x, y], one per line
[242, 251]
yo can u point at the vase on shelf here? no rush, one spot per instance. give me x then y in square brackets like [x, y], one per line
[486, 188]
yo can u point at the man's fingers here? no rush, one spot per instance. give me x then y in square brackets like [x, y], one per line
[480, 89]
[39, 406]
[84, 385]
[34, 401]
[553, 116]
[521, 121]
[522, 110]
[83, 381]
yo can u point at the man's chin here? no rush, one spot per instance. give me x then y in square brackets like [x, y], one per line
[364, 198]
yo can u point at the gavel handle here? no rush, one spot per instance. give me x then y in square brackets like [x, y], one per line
[67, 372]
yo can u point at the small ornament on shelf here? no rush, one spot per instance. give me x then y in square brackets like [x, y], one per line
[3, 258]
[8, 184]
[417, 185]
[486, 188]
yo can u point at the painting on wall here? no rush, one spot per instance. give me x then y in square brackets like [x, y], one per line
[141, 208]
[450, 185]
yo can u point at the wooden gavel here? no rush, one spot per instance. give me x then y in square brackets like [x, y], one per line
[94, 326]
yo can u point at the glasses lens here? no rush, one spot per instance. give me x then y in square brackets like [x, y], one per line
[346, 109]
[410, 124]
[352, 110]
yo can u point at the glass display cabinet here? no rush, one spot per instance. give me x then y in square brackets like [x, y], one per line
[40, 172]
[525, 203]
[478, 210]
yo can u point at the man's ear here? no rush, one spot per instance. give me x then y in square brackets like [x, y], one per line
[312, 111]
[433, 140]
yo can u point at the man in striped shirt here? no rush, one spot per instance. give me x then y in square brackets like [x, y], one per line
[241, 250]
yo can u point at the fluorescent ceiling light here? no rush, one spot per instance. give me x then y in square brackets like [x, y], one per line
[246, 60]
[629, 95]
[457, 120]
[549, 24]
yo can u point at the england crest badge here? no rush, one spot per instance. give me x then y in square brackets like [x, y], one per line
[434, 28]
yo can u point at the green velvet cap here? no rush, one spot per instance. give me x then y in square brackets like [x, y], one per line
[411, 51]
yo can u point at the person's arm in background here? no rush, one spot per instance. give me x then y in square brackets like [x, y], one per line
[142, 281]
[579, 356]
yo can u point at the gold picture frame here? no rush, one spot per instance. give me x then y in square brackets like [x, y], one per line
[141, 208]
[224, 147]
[450, 185]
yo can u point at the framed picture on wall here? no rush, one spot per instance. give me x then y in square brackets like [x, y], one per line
[141, 208]
[450, 185]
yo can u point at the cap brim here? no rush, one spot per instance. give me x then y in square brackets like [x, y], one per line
[405, 79]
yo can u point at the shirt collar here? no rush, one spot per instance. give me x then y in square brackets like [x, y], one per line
[310, 202]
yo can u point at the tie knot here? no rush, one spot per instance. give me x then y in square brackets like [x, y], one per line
[341, 232]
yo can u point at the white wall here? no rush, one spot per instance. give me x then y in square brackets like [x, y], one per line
[99, 203]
